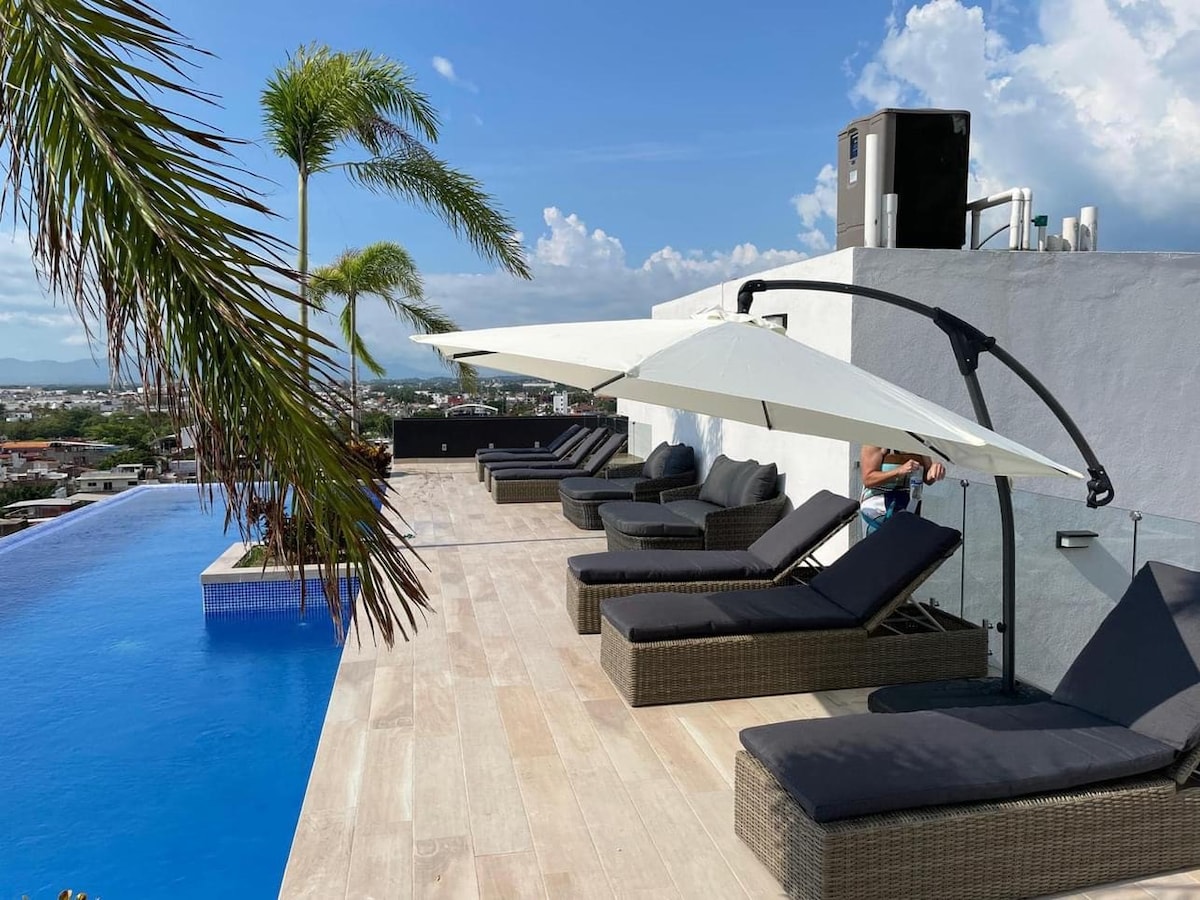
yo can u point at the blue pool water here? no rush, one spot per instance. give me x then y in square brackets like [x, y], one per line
[145, 753]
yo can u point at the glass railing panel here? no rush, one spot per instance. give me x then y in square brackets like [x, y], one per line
[1062, 593]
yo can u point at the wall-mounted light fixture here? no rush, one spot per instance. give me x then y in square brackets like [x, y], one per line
[1074, 540]
[779, 319]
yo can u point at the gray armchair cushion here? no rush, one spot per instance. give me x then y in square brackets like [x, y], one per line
[656, 461]
[1142, 666]
[695, 511]
[795, 535]
[857, 765]
[647, 520]
[756, 484]
[664, 617]
[720, 487]
[638, 566]
[598, 488]
[876, 569]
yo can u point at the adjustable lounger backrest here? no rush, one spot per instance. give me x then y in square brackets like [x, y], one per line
[802, 531]
[1141, 668]
[584, 448]
[878, 573]
[606, 452]
[563, 438]
[568, 446]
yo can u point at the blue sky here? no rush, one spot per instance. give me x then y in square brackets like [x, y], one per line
[647, 149]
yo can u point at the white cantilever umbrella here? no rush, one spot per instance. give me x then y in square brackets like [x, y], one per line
[741, 368]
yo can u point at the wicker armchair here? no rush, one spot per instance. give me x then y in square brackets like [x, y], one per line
[650, 488]
[735, 527]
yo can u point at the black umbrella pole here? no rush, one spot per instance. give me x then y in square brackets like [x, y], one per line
[1008, 547]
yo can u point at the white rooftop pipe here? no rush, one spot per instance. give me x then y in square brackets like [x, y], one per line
[1022, 211]
[872, 187]
[1088, 225]
[1027, 218]
[1070, 233]
[891, 204]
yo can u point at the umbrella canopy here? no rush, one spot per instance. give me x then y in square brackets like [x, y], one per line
[742, 368]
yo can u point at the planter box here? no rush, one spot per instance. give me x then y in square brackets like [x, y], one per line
[270, 591]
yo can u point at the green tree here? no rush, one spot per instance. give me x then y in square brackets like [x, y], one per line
[137, 217]
[384, 270]
[142, 455]
[25, 490]
[376, 423]
[322, 101]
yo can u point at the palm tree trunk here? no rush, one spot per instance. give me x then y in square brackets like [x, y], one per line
[353, 365]
[302, 265]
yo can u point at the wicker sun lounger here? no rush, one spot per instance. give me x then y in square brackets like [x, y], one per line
[557, 448]
[833, 632]
[580, 451]
[772, 559]
[668, 466]
[1093, 786]
[541, 485]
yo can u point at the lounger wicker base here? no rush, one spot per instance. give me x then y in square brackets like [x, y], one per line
[754, 665]
[1013, 848]
[537, 490]
[583, 600]
[618, 540]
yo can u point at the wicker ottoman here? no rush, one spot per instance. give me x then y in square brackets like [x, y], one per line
[581, 498]
[631, 525]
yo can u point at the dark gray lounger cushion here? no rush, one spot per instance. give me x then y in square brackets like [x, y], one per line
[720, 486]
[606, 451]
[644, 519]
[857, 765]
[670, 616]
[564, 437]
[877, 568]
[795, 535]
[1142, 666]
[495, 467]
[598, 488]
[634, 566]
[532, 474]
[695, 511]
[495, 456]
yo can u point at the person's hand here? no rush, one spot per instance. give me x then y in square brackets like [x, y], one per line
[909, 466]
[936, 472]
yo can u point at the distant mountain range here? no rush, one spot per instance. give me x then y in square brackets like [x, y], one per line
[21, 372]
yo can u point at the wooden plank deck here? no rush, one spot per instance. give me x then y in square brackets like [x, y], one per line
[490, 757]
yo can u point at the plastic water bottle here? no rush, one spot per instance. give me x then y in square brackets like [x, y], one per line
[916, 484]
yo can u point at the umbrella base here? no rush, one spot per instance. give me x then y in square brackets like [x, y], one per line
[951, 695]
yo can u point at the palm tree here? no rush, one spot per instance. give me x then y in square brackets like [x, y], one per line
[138, 218]
[322, 101]
[385, 270]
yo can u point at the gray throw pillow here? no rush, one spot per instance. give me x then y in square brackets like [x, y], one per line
[656, 461]
[757, 484]
[718, 487]
[681, 459]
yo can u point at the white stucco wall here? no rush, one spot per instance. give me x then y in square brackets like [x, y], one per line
[1113, 335]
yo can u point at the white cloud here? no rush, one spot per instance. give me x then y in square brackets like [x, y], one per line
[818, 208]
[1101, 107]
[445, 68]
[579, 274]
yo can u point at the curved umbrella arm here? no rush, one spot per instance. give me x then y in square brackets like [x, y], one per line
[968, 343]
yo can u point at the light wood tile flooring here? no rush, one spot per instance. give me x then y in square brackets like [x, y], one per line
[490, 756]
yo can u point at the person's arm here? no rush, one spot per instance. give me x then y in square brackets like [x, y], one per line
[871, 462]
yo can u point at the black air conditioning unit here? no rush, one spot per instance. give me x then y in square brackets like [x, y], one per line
[924, 161]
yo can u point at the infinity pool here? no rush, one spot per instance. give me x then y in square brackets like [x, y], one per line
[143, 752]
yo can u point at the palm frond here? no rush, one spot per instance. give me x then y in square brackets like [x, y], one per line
[120, 199]
[455, 197]
[355, 345]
